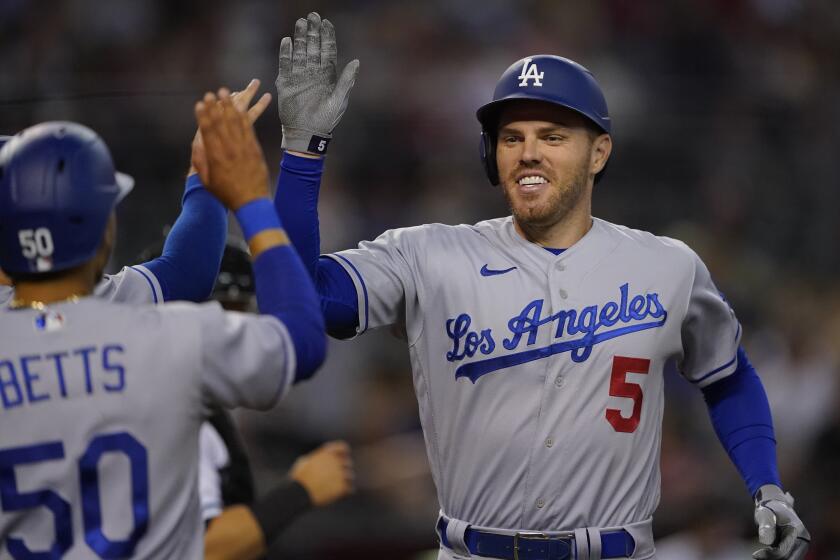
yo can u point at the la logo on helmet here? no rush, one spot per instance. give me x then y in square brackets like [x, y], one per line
[530, 72]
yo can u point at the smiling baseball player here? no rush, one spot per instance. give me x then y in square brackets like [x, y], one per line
[538, 341]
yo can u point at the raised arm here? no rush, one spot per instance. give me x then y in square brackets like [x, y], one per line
[311, 100]
[237, 175]
[192, 253]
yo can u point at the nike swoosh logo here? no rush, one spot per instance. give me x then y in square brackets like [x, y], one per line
[490, 272]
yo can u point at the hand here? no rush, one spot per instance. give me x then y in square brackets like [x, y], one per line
[309, 100]
[326, 473]
[241, 100]
[236, 170]
[778, 526]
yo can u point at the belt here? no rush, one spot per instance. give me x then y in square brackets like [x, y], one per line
[530, 545]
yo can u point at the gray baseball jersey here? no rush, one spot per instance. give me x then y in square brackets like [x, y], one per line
[100, 410]
[540, 376]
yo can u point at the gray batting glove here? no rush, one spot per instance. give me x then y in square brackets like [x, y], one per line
[778, 526]
[310, 99]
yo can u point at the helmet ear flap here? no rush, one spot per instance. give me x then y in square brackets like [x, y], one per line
[487, 150]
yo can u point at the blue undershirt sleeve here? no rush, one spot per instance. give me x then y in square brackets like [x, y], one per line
[740, 414]
[296, 201]
[192, 253]
[339, 301]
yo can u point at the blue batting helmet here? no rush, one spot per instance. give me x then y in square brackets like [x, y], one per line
[542, 77]
[58, 187]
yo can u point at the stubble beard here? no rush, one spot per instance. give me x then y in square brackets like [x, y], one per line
[559, 202]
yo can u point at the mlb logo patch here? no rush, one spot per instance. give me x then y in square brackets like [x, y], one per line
[49, 321]
[43, 264]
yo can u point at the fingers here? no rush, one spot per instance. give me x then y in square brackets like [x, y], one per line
[786, 542]
[286, 57]
[207, 128]
[229, 133]
[220, 125]
[348, 78]
[339, 447]
[760, 554]
[329, 48]
[313, 40]
[766, 521]
[206, 113]
[259, 107]
[800, 549]
[235, 121]
[299, 46]
[241, 99]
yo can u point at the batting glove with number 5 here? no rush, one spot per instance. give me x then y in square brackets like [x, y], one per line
[778, 526]
[310, 97]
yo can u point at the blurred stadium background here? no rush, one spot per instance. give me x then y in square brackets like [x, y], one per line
[727, 128]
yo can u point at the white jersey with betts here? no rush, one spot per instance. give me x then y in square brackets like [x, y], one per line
[132, 284]
[100, 409]
[540, 376]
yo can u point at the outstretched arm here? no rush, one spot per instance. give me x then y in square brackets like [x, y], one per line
[236, 173]
[244, 532]
[192, 253]
[311, 100]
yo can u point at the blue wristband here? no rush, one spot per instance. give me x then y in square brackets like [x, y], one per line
[257, 216]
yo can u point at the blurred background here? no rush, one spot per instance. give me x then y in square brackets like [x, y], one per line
[726, 131]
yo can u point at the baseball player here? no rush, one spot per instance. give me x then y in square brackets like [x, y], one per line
[100, 402]
[189, 263]
[538, 341]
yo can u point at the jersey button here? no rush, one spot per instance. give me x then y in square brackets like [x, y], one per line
[559, 381]
[561, 267]
[549, 442]
[563, 293]
[540, 502]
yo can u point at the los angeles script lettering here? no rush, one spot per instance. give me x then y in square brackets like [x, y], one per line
[466, 342]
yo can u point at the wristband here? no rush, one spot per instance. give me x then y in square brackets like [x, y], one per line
[256, 217]
[279, 507]
[302, 140]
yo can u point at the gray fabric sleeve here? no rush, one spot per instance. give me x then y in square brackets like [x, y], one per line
[710, 331]
[133, 284]
[383, 277]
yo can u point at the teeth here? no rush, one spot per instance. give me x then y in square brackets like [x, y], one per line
[532, 180]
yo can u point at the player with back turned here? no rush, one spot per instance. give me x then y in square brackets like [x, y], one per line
[538, 341]
[187, 266]
[101, 403]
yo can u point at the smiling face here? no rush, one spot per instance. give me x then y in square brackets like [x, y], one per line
[547, 157]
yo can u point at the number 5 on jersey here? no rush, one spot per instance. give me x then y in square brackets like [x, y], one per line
[620, 387]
